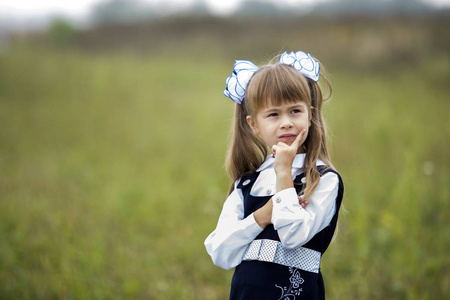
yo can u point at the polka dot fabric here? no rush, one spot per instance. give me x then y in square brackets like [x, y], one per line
[273, 251]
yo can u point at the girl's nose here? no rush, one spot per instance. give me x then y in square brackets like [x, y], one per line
[286, 123]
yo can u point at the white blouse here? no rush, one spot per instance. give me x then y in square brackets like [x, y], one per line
[295, 225]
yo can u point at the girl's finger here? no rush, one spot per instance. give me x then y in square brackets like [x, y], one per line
[298, 139]
[303, 202]
[274, 150]
[278, 146]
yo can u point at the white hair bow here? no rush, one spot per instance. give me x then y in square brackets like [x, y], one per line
[244, 69]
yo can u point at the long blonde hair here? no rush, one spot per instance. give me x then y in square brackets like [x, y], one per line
[277, 84]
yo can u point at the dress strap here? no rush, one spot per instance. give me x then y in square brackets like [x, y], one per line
[273, 251]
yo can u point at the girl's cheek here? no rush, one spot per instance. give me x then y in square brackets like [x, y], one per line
[306, 135]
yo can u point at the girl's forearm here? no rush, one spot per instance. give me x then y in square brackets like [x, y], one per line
[284, 180]
[263, 216]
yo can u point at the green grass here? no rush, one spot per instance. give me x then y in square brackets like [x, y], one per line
[111, 177]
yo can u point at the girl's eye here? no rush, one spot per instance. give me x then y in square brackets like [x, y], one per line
[296, 111]
[273, 115]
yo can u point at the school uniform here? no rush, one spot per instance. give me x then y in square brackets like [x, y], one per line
[281, 261]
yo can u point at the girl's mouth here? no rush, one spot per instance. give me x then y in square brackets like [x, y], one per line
[287, 137]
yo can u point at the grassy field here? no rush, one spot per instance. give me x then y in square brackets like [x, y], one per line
[111, 177]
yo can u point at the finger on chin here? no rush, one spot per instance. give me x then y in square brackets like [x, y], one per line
[297, 141]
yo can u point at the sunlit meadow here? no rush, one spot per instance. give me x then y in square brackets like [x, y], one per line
[111, 176]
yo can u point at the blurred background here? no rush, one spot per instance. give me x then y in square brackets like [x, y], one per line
[114, 128]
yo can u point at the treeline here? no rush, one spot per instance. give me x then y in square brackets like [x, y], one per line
[352, 41]
[130, 11]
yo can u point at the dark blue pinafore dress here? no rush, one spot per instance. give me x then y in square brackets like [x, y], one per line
[268, 270]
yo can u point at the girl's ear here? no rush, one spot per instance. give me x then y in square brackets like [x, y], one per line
[252, 123]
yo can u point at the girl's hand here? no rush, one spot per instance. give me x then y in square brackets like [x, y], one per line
[284, 154]
[284, 157]
[303, 202]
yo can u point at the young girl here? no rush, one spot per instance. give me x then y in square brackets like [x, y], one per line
[282, 210]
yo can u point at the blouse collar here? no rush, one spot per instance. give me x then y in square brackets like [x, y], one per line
[297, 164]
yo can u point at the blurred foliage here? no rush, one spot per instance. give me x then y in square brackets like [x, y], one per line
[112, 150]
[121, 11]
[368, 42]
[61, 33]
[338, 8]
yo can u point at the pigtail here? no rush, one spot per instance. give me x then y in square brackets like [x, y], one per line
[315, 144]
[246, 152]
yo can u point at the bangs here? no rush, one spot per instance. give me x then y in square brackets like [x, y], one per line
[276, 85]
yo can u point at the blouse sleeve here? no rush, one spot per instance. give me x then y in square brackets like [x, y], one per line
[296, 225]
[227, 243]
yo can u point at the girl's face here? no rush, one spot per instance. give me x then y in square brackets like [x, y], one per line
[275, 124]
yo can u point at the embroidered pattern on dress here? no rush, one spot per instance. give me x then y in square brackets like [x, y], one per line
[294, 289]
